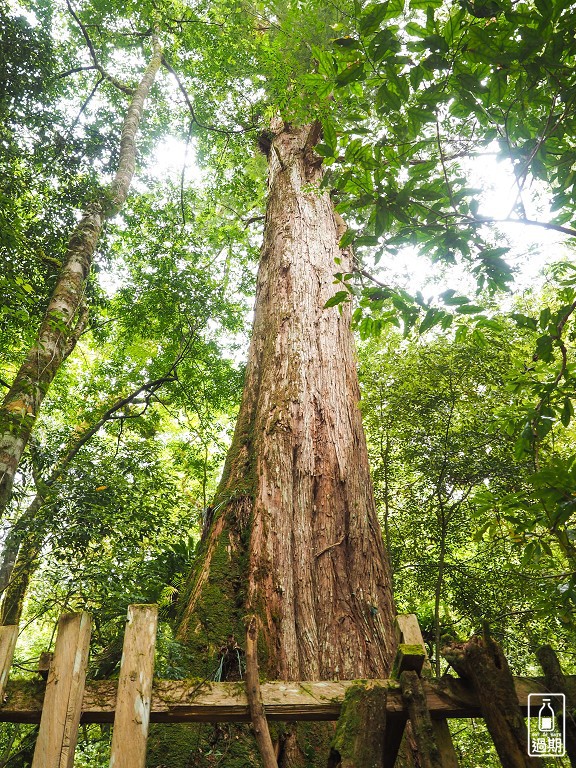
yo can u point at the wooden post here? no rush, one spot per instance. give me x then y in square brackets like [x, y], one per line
[556, 682]
[259, 722]
[420, 720]
[411, 634]
[130, 732]
[482, 663]
[360, 735]
[8, 637]
[62, 707]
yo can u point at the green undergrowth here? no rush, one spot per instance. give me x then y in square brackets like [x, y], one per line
[229, 745]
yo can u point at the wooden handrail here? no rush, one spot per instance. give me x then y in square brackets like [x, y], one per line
[204, 701]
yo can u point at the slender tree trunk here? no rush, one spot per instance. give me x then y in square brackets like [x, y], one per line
[22, 572]
[438, 594]
[65, 316]
[23, 544]
[293, 534]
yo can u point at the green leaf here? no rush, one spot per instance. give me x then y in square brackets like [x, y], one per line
[324, 150]
[544, 317]
[523, 321]
[428, 193]
[469, 309]
[544, 348]
[347, 238]
[382, 43]
[350, 74]
[348, 42]
[423, 5]
[338, 298]
[455, 301]
[383, 218]
[329, 135]
[567, 411]
[326, 63]
[387, 98]
[432, 318]
[372, 17]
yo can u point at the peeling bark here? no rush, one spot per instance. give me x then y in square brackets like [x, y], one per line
[66, 313]
[294, 535]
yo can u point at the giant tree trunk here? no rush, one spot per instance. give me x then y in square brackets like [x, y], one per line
[65, 316]
[293, 534]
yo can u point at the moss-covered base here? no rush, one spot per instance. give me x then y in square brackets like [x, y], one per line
[230, 745]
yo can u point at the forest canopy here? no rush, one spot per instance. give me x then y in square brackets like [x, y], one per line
[140, 145]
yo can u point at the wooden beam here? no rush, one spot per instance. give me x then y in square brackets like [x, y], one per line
[257, 714]
[132, 717]
[420, 720]
[482, 663]
[556, 681]
[197, 700]
[64, 696]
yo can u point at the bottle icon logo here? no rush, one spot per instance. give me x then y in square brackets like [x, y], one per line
[546, 717]
[546, 724]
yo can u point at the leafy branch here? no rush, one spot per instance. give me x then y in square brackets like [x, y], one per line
[96, 64]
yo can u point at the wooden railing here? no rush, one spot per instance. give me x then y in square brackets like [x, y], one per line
[66, 699]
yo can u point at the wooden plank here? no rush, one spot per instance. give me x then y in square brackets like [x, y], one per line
[445, 744]
[8, 637]
[194, 700]
[254, 694]
[58, 732]
[130, 731]
[409, 632]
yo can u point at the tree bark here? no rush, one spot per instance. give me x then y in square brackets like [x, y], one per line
[24, 567]
[293, 534]
[557, 683]
[66, 314]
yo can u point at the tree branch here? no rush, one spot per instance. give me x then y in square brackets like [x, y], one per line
[150, 387]
[115, 82]
[184, 92]
[74, 70]
[528, 222]
[444, 170]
